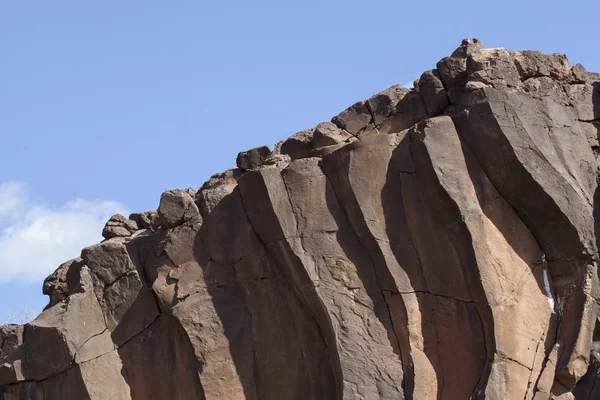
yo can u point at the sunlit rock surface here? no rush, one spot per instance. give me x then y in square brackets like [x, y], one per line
[429, 243]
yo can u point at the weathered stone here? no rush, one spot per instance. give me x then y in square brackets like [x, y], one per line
[409, 110]
[328, 134]
[127, 305]
[589, 386]
[467, 47]
[253, 158]
[66, 385]
[383, 104]
[11, 337]
[143, 220]
[14, 368]
[299, 145]
[355, 119]
[176, 207]
[276, 157]
[494, 67]
[26, 390]
[433, 92]
[53, 338]
[531, 64]
[192, 192]
[433, 243]
[217, 187]
[108, 261]
[560, 67]
[452, 72]
[103, 378]
[142, 311]
[61, 282]
[95, 347]
[119, 226]
[166, 372]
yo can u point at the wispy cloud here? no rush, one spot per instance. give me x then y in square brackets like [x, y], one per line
[35, 239]
[11, 196]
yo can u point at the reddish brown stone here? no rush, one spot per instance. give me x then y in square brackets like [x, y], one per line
[432, 243]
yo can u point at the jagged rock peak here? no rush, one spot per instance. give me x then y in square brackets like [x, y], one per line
[437, 242]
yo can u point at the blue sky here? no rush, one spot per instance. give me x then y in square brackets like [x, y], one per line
[104, 105]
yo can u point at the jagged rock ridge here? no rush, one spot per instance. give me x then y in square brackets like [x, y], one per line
[432, 243]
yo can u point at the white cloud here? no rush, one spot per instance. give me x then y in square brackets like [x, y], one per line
[11, 195]
[36, 239]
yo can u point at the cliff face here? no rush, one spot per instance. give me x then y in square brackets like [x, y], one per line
[432, 243]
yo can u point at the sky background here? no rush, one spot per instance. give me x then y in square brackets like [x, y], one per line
[106, 104]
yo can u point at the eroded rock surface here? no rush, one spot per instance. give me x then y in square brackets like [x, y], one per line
[432, 243]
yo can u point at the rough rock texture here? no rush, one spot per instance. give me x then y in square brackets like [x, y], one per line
[433, 243]
[11, 337]
[253, 158]
[119, 226]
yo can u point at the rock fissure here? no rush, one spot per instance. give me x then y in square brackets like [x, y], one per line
[84, 343]
[437, 295]
[392, 253]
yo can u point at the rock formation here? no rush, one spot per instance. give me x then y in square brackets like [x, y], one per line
[437, 242]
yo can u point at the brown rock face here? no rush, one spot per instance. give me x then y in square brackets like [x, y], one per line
[432, 243]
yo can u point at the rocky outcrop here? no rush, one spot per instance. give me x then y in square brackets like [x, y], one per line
[438, 242]
[119, 226]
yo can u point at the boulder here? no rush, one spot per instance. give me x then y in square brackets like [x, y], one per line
[253, 158]
[328, 134]
[299, 145]
[11, 337]
[355, 119]
[217, 187]
[144, 219]
[62, 281]
[494, 67]
[434, 94]
[176, 206]
[119, 226]
[467, 47]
